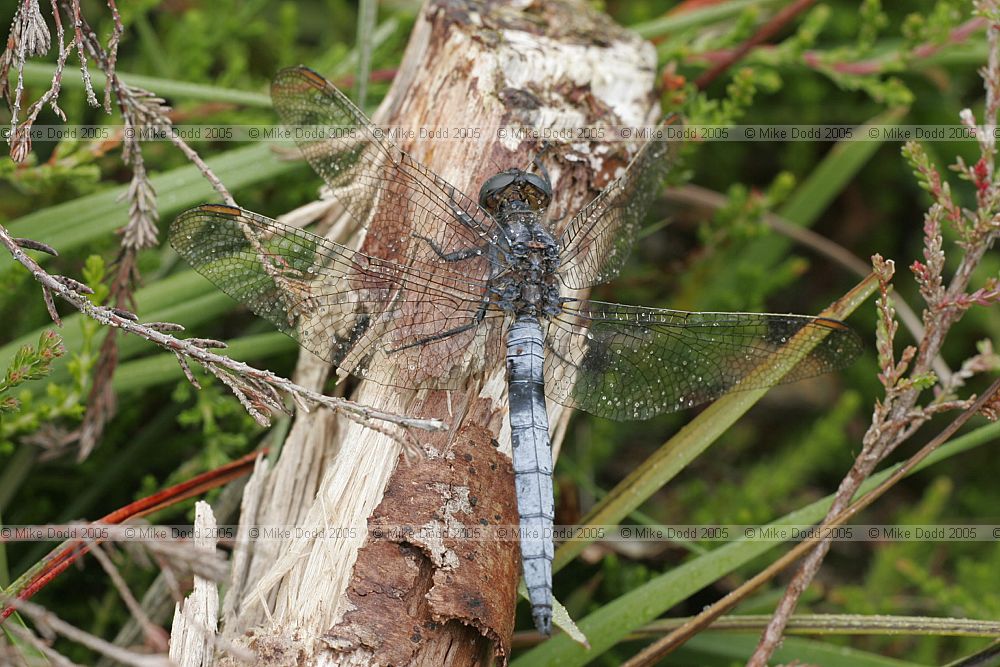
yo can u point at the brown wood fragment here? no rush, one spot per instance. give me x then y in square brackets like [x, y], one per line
[470, 580]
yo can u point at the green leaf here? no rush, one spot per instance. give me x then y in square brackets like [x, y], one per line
[75, 223]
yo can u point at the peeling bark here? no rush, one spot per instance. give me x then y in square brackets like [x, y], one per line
[403, 599]
[424, 577]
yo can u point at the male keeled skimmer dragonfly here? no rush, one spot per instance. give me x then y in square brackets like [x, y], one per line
[415, 308]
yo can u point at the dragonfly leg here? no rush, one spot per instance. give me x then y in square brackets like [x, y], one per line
[456, 256]
[461, 214]
[471, 324]
[537, 161]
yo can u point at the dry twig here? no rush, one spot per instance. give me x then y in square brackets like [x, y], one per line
[141, 111]
[256, 386]
[51, 625]
[898, 416]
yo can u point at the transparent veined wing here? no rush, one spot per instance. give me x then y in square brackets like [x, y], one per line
[599, 238]
[380, 185]
[629, 362]
[397, 324]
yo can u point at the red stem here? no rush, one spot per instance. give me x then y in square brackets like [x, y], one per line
[766, 32]
[59, 560]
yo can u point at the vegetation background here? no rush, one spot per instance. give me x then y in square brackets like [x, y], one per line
[839, 62]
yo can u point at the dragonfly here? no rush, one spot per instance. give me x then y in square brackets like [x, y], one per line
[448, 284]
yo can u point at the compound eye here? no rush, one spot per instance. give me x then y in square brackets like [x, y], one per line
[494, 187]
[486, 198]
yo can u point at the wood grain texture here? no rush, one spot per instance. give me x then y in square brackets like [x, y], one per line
[196, 619]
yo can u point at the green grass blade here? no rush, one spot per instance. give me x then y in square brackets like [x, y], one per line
[692, 440]
[186, 296]
[611, 623]
[40, 74]
[163, 368]
[716, 648]
[75, 223]
[837, 169]
[697, 17]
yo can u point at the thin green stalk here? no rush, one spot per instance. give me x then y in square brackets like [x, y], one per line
[4, 570]
[40, 74]
[692, 440]
[152, 47]
[698, 17]
[14, 473]
[367, 10]
[841, 624]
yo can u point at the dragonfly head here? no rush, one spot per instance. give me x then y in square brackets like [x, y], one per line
[515, 187]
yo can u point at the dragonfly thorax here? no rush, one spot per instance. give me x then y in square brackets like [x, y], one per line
[528, 253]
[527, 285]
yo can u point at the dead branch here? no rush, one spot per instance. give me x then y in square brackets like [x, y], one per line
[252, 381]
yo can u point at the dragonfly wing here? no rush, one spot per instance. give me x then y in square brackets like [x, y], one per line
[598, 239]
[393, 323]
[379, 184]
[628, 362]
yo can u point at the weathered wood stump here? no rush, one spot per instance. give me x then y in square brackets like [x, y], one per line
[409, 600]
